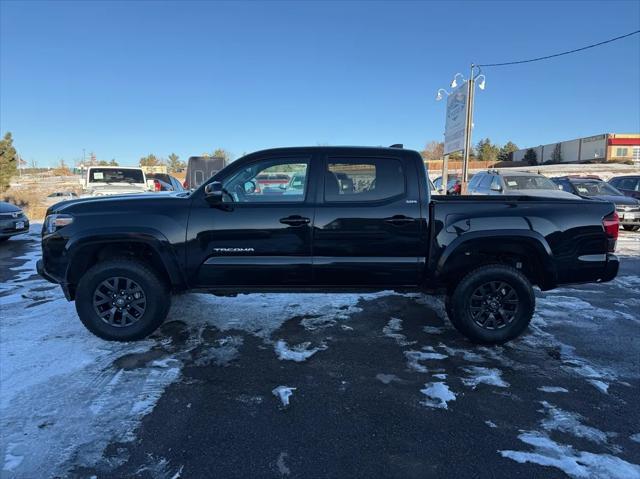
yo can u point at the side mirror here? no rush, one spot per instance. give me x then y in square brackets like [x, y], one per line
[213, 193]
[495, 187]
[249, 187]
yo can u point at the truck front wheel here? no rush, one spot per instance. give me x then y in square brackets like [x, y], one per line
[492, 304]
[122, 300]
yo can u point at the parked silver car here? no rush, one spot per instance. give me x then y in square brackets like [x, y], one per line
[59, 196]
[516, 183]
[13, 221]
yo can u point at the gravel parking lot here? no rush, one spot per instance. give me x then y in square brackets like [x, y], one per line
[319, 385]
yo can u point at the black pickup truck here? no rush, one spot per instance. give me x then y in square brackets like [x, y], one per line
[350, 219]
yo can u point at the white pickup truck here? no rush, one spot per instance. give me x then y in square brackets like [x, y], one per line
[115, 180]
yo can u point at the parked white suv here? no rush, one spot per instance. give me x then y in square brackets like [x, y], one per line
[115, 180]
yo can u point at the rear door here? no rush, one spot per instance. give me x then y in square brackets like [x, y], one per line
[367, 223]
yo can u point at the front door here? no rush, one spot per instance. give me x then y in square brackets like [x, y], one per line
[261, 233]
[367, 226]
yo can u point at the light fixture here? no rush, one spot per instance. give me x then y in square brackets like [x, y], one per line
[439, 94]
[454, 82]
[482, 83]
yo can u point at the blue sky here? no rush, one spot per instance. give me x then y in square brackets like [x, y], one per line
[124, 79]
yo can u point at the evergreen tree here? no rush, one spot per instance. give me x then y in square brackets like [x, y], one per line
[506, 152]
[487, 151]
[530, 157]
[149, 160]
[174, 164]
[8, 161]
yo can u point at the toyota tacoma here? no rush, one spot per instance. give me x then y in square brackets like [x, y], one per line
[359, 219]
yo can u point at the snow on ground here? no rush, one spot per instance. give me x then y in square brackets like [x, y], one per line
[283, 393]
[553, 389]
[628, 243]
[547, 452]
[438, 395]
[489, 376]
[66, 394]
[297, 353]
[571, 423]
[392, 330]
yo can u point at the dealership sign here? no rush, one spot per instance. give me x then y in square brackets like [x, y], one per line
[455, 123]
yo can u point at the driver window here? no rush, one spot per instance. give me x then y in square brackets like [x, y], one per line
[270, 180]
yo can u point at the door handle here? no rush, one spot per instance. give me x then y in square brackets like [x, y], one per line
[399, 220]
[295, 220]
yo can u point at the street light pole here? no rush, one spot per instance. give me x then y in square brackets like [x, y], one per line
[467, 132]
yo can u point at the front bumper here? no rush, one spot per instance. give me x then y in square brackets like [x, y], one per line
[52, 279]
[43, 272]
[8, 227]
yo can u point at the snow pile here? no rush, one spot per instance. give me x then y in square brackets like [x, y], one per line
[414, 358]
[478, 375]
[570, 423]
[283, 393]
[552, 389]
[392, 330]
[547, 452]
[438, 395]
[298, 353]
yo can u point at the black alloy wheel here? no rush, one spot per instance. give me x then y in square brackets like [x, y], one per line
[119, 301]
[494, 305]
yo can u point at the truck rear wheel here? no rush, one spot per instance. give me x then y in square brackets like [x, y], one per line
[492, 304]
[122, 300]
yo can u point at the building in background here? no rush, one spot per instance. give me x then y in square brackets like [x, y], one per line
[617, 147]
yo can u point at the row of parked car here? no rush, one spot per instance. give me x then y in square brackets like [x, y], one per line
[623, 191]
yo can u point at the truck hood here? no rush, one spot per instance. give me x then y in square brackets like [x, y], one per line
[8, 207]
[109, 202]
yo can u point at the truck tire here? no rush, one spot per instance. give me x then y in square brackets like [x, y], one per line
[122, 300]
[492, 304]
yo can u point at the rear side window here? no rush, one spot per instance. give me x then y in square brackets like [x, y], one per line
[199, 177]
[627, 184]
[363, 179]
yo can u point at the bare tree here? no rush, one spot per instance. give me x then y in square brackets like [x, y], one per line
[433, 151]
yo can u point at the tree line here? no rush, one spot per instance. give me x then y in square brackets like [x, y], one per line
[484, 150]
[173, 162]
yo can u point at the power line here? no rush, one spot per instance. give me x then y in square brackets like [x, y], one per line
[560, 54]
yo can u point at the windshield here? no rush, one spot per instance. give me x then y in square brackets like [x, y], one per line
[595, 188]
[529, 183]
[115, 175]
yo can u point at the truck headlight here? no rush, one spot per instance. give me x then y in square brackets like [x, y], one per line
[53, 223]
